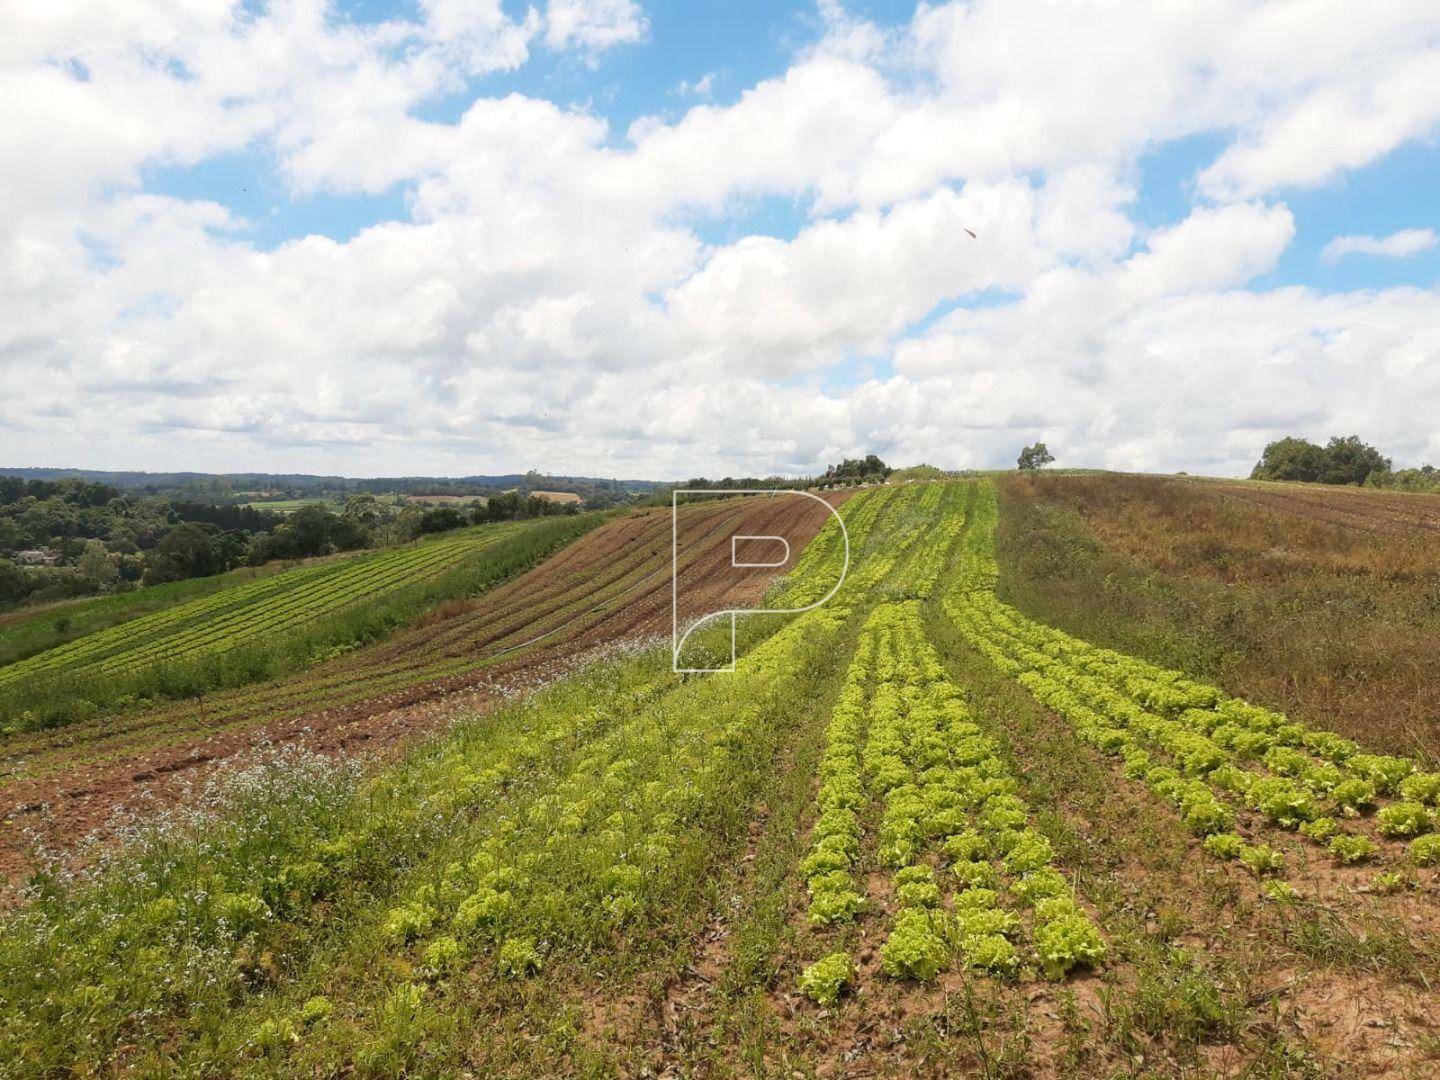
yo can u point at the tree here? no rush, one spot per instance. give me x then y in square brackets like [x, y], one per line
[364, 510]
[1290, 459]
[869, 469]
[1350, 461]
[13, 585]
[188, 550]
[97, 565]
[1035, 457]
[312, 530]
[1343, 460]
[443, 518]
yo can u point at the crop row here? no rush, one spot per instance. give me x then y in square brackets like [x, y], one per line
[820, 564]
[568, 827]
[256, 608]
[950, 825]
[1204, 752]
[313, 599]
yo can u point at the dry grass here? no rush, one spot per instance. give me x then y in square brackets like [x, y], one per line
[1331, 620]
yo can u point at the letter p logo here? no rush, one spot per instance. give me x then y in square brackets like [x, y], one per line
[745, 552]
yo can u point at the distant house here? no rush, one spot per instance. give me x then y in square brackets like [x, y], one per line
[37, 557]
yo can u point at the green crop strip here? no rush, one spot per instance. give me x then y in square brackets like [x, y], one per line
[534, 834]
[951, 825]
[1207, 754]
[267, 627]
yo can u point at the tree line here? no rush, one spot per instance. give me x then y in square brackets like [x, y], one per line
[75, 537]
[1345, 459]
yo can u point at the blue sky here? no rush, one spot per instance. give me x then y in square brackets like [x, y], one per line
[689, 236]
[739, 43]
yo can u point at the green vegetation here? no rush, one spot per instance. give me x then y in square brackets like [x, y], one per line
[268, 626]
[916, 831]
[31, 630]
[72, 538]
[1033, 457]
[1210, 756]
[1343, 460]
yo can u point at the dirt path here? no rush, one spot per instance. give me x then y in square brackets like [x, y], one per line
[610, 587]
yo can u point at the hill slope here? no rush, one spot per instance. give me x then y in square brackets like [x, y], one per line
[916, 832]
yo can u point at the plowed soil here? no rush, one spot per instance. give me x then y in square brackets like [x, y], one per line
[611, 587]
[1388, 513]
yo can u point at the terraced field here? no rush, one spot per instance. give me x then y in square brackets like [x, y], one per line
[610, 586]
[235, 634]
[917, 832]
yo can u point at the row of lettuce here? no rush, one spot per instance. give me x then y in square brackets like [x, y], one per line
[323, 918]
[911, 783]
[1221, 762]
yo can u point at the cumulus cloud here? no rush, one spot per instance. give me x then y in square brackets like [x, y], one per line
[1397, 245]
[593, 24]
[547, 298]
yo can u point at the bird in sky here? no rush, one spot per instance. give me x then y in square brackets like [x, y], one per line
[971, 232]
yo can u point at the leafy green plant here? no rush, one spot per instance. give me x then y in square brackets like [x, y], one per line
[825, 980]
[914, 950]
[1262, 859]
[519, 957]
[1224, 845]
[1425, 850]
[1352, 849]
[1403, 819]
[1067, 941]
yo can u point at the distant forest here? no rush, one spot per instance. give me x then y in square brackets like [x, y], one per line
[1345, 459]
[65, 534]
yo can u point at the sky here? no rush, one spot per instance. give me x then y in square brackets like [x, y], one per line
[695, 237]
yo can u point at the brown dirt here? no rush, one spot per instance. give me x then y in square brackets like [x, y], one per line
[1380, 512]
[609, 587]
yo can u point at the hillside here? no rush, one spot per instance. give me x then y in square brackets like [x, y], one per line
[265, 626]
[609, 587]
[1318, 601]
[1039, 791]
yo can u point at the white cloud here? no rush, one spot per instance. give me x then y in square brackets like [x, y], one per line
[546, 303]
[701, 87]
[593, 24]
[1397, 245]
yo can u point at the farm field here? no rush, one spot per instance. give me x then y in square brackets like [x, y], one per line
[261, 627]
[610, 585]
[1321, 603]
[950, 822]
[289, 506]
[29, 630]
